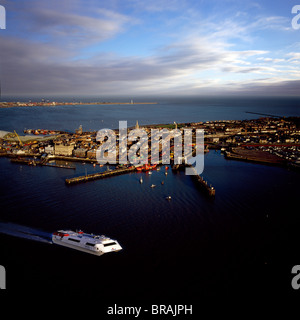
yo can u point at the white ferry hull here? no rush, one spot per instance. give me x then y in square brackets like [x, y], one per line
[93, 244]
[69, 245]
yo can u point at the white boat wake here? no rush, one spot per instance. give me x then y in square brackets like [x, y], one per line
[20, 231]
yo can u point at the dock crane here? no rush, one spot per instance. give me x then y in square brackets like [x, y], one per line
[21, 143]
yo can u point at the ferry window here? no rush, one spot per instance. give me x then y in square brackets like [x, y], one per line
[75, 240]
[90, 244]
[109, 244]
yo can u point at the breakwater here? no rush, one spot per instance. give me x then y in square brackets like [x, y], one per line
[99, 175]
[210, 190]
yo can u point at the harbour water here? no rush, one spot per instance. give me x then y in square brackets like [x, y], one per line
[186, 248]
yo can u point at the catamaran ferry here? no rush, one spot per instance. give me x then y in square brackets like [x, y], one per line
[89, 243]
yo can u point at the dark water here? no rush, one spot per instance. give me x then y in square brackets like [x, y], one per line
[244, 241]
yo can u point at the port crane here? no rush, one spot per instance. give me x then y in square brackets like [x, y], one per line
[21, 143]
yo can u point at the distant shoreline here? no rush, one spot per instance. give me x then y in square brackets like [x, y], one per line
[55, 103]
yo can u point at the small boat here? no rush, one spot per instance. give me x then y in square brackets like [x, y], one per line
[168, 198]
[141, 180]
[85, 242]
[153, 185]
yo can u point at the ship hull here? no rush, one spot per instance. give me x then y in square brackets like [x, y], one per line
[75, 247]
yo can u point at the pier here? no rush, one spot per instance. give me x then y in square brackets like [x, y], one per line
[58, 166]
[99, 175]
[265, 114]
[33, 162]
[23, 161]
[210, 190]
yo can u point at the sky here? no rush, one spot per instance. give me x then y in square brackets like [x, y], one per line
[149, 48]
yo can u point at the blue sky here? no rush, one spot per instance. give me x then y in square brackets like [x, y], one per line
[158, 47]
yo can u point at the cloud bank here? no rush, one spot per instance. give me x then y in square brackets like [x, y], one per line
[79, 48]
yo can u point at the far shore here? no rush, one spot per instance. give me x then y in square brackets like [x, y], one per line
[56, 103]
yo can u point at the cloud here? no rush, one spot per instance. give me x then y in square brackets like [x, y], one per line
[49, 69]
[48, 56]
[156, 6]
[74, 26]
[83, 29]
[294, 56]
[271, 60]
[278, 88]
[46, 68]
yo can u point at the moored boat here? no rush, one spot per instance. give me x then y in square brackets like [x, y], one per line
[146, 167]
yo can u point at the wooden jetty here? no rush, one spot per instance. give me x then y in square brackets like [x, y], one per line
[99, 175]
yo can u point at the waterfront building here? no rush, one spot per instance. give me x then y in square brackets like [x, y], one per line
[64, 149]
[91, 154]
[80, 152]
[49, 149]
